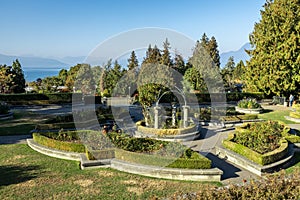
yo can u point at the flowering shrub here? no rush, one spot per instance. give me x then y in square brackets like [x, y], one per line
[248, 104]
[262, 137]
[4, 108]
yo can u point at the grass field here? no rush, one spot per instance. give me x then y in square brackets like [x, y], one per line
[276, 115]
[22, 123]
[26, 174]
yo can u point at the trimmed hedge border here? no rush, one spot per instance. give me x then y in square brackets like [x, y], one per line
[60, 145]
[262, 159]
[200, 162]
[165, 132]
[67, 125]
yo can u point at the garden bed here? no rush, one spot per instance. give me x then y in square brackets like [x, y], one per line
[262, 142]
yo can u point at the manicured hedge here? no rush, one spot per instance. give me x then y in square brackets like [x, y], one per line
[37, 98]
[262, 159]
[196, 162]
[240, 117]
[66, 125]
[164, 132]
[236, 96]
[56, 144]
[100, 154]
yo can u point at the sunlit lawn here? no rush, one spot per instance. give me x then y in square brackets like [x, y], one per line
[26, 174]
[22, 123]
[276, 115]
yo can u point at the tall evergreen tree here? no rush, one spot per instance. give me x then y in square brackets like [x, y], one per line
[179, 64]
[166, 55]
[227, 73]
[275, 60]
[132, 61]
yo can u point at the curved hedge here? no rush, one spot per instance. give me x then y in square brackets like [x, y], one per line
[56, 144]
[197, 161]
[163, 132]
[262, 159]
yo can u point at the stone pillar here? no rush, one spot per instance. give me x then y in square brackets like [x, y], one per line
[156, 119]
[185, 115]
[173, 116]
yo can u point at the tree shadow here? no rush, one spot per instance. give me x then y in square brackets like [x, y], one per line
[266, 111]
[229, 171]
[11, 174]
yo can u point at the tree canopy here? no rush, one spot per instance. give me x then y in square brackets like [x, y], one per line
[275, 60]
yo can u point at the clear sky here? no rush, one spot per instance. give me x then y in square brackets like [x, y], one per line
[58, 28]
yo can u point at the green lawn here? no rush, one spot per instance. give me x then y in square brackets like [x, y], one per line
[22, 123]
[296, 167]
[26, 174]
[276, 115]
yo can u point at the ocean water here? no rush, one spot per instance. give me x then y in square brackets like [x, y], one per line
[33, 74]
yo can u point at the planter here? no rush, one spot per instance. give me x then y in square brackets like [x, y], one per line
[9, 115]
[249, 111]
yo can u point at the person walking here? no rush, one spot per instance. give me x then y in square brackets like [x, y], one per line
[291, 99]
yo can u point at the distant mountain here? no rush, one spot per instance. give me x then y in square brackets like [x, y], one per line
[72, 60]
[31, 62]
[237, 55]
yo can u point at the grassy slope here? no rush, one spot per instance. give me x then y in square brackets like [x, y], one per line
[26, 174]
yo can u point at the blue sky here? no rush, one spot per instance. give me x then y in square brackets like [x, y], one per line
[58, 28]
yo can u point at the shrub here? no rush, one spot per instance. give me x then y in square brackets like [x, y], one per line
[248, 103]
[196, 162]
[277, 186]
[262, 137]
[51, 97]
[4, 108]
[165, 132]
[57, 144]
[262, 159]
[296, 112]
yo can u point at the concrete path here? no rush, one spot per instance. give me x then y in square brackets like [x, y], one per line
[15, 139]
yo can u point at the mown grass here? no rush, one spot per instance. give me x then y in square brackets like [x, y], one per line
[276, 115]
[296, 166]
[26, 174]
[22, 123]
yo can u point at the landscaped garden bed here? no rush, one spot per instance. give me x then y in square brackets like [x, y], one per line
[262, 142]
[249, 106]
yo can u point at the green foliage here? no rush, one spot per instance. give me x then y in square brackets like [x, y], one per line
[262, 137]
[52, 97]
[195, 162]
[4, 108]
[277, 186]
[262, 159]
[57, 144]
[165, 132]
[296, 111]
[12, 78]
[248, 103]
[274, 64]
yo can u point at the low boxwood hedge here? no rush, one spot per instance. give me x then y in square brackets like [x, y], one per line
[51, 97]
[164, 132]
[66, 125]
[262, 159]
[240, 117]
[57, 144]
[195, 162]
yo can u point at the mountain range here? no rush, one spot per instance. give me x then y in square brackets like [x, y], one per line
[32, 62]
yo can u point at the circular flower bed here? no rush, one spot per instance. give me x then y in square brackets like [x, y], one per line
[249, 106]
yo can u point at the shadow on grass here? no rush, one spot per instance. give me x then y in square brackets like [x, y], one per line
[266, 111]
[11, 174]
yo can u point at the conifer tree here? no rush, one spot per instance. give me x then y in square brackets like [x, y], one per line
[275, 60]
